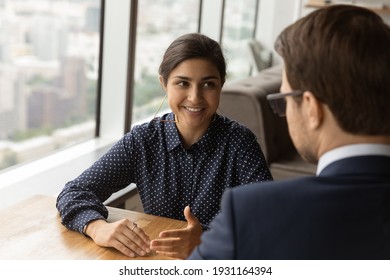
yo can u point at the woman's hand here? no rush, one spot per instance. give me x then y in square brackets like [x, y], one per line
[123, 235]
[179, 243]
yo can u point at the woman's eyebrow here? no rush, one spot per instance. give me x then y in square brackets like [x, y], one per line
[210, 78]
[203, 79]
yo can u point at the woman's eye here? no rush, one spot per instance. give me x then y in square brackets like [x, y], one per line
[209, 85]
[182, 84]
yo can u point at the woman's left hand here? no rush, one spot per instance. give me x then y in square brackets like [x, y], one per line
[179, 243]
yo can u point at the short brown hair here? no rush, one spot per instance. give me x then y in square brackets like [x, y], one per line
[341, 53]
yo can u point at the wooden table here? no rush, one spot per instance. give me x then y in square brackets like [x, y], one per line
[32, 229]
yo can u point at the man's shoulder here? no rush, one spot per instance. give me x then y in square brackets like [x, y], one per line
[298, 191]
[268, 194]
[287, 185]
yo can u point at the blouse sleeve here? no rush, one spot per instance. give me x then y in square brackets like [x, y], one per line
[81, 200]
[251, 164]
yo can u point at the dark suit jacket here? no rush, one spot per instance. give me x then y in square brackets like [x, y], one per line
[344, 213]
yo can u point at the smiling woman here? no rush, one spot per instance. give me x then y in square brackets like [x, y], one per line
[193, 90]
[180, 168]
[193, 80]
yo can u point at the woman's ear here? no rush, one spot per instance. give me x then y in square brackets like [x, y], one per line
[314, 110]
[162, 83]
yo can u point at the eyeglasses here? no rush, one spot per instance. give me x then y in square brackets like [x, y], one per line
[277, 101]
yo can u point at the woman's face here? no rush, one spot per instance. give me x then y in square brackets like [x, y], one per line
[194, 89]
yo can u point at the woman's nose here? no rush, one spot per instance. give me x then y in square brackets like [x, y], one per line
[194, 94]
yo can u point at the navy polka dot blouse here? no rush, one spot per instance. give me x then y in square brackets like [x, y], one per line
[168, 177]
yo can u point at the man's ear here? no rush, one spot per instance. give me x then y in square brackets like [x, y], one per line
[162, 83]
[314, 110]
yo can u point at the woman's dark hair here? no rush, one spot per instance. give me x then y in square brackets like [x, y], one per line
[192, 45]
[341, 54]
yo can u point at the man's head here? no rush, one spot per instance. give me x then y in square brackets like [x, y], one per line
[340, 56]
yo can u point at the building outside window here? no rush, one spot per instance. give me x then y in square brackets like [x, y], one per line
[49, 60]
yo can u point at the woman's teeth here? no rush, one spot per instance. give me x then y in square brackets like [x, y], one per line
[194, 109]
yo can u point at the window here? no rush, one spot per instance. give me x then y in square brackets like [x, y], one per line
[159, 23]
[238, 28]
[49, 60]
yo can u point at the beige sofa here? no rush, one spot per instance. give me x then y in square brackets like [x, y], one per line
[245, 101]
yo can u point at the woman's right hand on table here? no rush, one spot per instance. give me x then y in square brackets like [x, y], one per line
[123, 235]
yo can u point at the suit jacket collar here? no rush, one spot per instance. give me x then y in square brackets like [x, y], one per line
[369, 165]
[363, 149]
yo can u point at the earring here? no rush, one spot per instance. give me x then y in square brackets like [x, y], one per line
[155, 118]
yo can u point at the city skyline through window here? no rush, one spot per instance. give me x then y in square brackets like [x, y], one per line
[49, 52]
